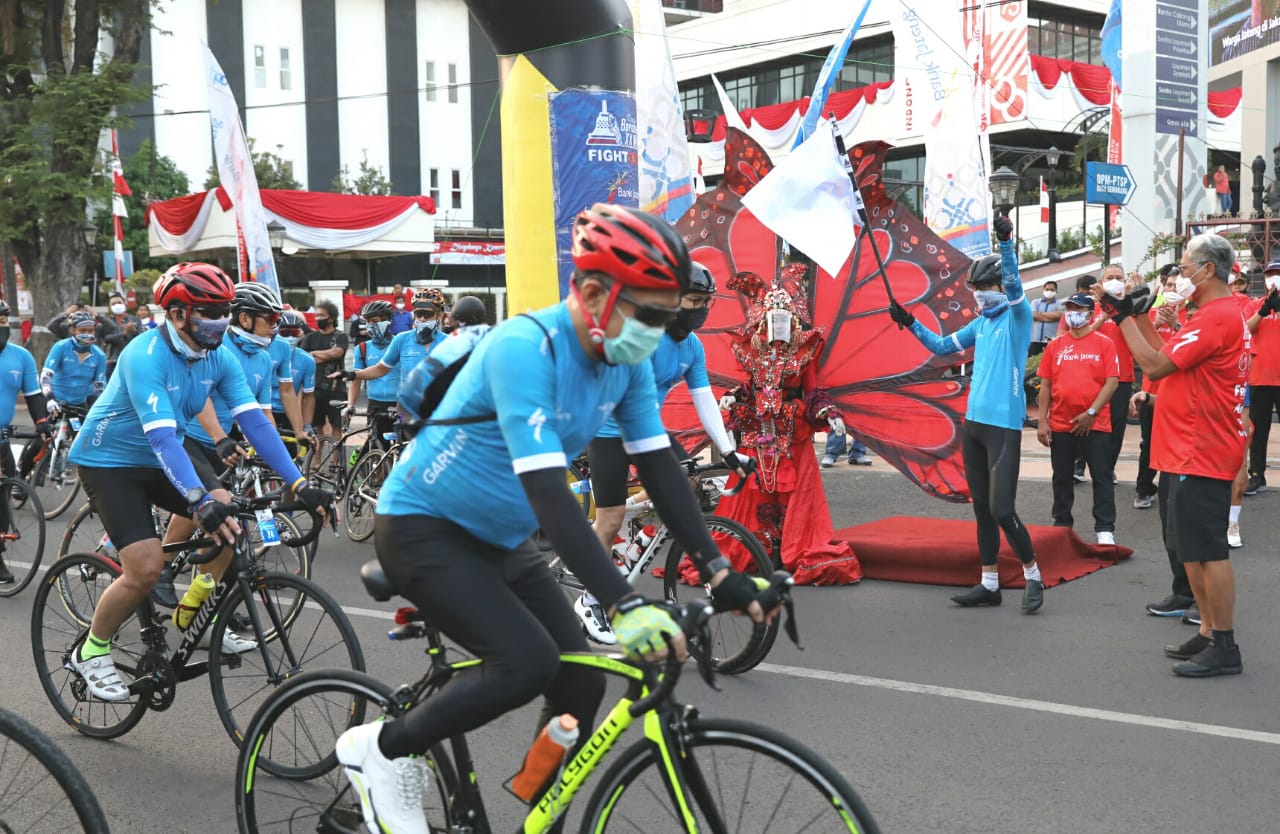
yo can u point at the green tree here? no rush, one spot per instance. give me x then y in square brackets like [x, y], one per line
[370, 180]
[152, 177]
[272, 171]
[58, 93]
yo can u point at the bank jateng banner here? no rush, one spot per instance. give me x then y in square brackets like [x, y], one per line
[593, 158]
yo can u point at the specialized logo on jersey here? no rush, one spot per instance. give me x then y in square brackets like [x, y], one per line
[537, 420]
[17, 375]
[154, 401]
[607, 408]
[1185, 337]
[684, 368]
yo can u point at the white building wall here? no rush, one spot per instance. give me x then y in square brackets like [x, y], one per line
[362, 85]
[180, 103]
[445, 126]
[275, 115]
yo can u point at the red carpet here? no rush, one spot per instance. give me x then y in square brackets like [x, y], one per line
[945, 552]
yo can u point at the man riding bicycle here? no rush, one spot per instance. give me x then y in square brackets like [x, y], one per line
[383, 387]
[17, 375]
[409, 348]
[130, 453]
[292, 329]
[488, 469]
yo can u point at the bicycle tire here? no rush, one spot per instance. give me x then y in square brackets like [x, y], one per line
[609, 808]
[264, 783]
[23, 511]
[358, 518]
[297, 562]
[20, 809]
[738, 644]
[55, 500]
[282, 637]
[58, 626]
[84, 533]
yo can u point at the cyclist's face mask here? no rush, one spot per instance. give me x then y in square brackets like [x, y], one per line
[425, 324]
[693, 314]
[81, 342]
[4, 332]
[207, 324]
[378, 330]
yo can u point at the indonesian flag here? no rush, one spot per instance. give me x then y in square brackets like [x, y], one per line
[1044, 202]
[119, 190]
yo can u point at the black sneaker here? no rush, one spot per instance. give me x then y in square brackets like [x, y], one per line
[164, 594]
[1077, 475]
[1033, 596]
[1189, 649]
[1174, 605]
[1192, 617]
[6, 578]
[977, 595]
[1211, 661]
[1256, 484]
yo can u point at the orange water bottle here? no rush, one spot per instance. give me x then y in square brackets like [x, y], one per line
[545, 756]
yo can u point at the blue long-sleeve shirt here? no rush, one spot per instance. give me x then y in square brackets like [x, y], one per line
[996, 394]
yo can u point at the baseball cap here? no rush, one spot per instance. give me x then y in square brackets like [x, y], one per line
[1081, 299]
[1274, 266]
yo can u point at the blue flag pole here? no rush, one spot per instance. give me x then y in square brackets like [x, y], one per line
[827, 77]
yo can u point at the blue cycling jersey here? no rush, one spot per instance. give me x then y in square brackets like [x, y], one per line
[257, 366]
[996, 394]
[281, 353]
[405, 352]
[17, 376]
[75, 376]
[304, 378]
[672, 362]
[550, 400]
[153, 387]
[384, 388]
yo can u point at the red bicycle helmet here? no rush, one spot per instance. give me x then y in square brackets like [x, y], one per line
[193, 284]
[634, 247]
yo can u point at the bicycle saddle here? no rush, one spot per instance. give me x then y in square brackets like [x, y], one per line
[375, 581]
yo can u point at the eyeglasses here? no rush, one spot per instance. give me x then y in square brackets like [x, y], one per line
[212, 311]
[697, 302]
[290, 331]
[654, 315]
[424, 315]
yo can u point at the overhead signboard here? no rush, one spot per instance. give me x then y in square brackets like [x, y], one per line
[1178, 64]
[1238, 27]
[1108, 183]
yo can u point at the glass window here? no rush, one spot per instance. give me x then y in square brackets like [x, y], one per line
[260, 67]
[453, 83]
[455, 191]
[434, 192]
[431, 81]
[285, 79]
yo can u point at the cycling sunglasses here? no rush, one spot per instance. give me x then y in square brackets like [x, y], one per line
[654, 315]
[212, 311]
[424, 315]
[272, 319]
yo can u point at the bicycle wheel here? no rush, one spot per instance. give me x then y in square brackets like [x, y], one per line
[41, 791]
[57, 490]
[85, 534]
[737, 643]
[741, 777]
[302, 628]
[60, 618]
[361, 496]
[287, 776]
[279, 558]
[22, 539]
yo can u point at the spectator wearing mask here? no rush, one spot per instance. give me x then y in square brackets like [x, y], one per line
[401, 316]
[114, 340]
[144, 317]
[1046, 312]
[1167, 316]
[1264, 376]
[1222, 188]
[1079, 373]
[327, 345]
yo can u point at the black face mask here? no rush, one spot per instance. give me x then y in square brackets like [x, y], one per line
[324, 324]
[4, 336]
[687, 321]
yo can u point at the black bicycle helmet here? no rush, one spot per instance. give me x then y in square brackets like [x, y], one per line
[381, 309]
[701, 279]
[80, 318]
[986, 271]
[291, 320]
[255, 299]
[469, 310]
[4, 307]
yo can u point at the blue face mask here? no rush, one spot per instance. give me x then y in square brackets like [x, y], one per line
[991, 302]
[175, 340]
[247, 341]
[634, 344]
[425, 329]
[208, 333]
[291, 341]
[82, 342]
[378, 330]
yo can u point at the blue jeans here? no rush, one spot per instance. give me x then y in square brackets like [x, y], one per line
[835, 447]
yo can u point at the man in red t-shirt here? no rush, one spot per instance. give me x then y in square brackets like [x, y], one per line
[1167, 318]
[1198, 440]
[1078, 375]
[1264, 376]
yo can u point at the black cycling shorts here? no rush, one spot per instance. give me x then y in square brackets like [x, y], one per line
[329, 405]
[1199, 512]
[123, 498]
[206, 461]
[610, 467]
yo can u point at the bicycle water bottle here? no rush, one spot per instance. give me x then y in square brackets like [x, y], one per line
[545, 756]
[640, 544]
[191, 601]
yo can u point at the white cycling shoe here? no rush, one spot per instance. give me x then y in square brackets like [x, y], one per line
[232, 643]
[390, 790]
[100, 675]
[594, 622]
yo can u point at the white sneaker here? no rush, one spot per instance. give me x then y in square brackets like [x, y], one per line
[390, 790]
[828, 462]
[232, 643]
[1106, 538]
[1233, 536]
[100, 675]
[594, 622]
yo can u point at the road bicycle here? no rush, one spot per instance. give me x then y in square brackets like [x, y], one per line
[687, 773]
[22, 528]
[736, 644]
[53, 476]
[368, 473]
[294, 622]
[41, 791]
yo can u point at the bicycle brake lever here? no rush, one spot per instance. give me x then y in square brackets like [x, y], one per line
[789, 624]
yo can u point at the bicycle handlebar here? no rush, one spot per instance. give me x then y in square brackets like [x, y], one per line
[696, 469]
[207, 549]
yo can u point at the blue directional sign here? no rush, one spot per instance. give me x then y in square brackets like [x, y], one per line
[1108, 183]
[1176, 70]
[1178, 67]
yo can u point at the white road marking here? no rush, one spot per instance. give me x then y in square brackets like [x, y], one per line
[1024, 703]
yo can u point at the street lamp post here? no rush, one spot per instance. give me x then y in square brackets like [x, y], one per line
[1052, 156]
[1004, 189]
[90, 234]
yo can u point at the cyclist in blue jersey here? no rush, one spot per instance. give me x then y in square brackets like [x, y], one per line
[679, 357]
[383, 387]
[292, 328]
[17, 376]
[992, 440]
[489, 469]
[282, 386]
[74, 374]
[409, 347]
[130, 453]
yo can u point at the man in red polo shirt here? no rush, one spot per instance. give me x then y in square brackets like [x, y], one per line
[1198, 440]
[1078, 375]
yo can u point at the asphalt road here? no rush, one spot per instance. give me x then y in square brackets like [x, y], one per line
[944, 719]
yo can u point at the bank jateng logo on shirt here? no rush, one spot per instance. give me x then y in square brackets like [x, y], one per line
[593, 157]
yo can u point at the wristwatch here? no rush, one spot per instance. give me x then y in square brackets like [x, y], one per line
[1093, 412]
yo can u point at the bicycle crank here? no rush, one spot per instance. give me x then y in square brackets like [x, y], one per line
[156, 684]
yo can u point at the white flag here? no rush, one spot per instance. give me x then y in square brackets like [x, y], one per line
[666, 182]
[731, 116]
[809, 201]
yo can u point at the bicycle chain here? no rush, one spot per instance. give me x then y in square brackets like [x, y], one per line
[155, 665]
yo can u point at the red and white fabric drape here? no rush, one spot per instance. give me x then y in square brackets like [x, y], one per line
[119, 190]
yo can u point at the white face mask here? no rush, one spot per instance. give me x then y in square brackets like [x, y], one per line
[1050, 294]
[118, 309]
[1077, 318]
[779, 322]
[1273, 282]
[989, 298]
[1185, 287]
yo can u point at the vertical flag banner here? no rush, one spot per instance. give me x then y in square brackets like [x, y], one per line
[1044, 202]
[119, 190]
[235, 171]
[930, 57]
[827, 77]
[1115, 143]
[996, 34]
[666, 180]
[732, 118]
[1112, 55]
[593, 160]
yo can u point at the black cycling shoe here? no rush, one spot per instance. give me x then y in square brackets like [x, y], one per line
[164, 594]
[1189, 649]
[1192, 617]
[1174, 605]
[977, 595]
[1213, 660]
[1033, 596]
[6, 578]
